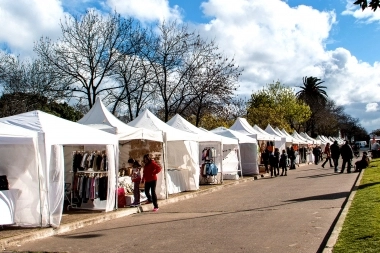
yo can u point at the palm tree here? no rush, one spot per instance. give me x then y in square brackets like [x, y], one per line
[312, 92]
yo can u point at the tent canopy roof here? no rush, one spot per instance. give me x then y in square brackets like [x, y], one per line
[58, 130]
[234, 134]
[241, 125]
[274, 137]
[100, 118]
[180, 123]
[148, 120]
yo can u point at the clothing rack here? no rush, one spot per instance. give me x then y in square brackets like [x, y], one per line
[86, 193]
[209, 171]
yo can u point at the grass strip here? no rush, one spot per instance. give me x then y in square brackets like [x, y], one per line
[361, 228]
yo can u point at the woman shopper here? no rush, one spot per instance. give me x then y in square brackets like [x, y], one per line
[328, 155]
[136, 179]
[151, 169]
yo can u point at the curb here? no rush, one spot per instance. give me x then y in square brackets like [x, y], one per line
[63, 228]
[342, 216]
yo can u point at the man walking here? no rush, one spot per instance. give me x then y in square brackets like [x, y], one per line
[335, 153]
[347, 155]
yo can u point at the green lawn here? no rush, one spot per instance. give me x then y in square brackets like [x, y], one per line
[361, 228]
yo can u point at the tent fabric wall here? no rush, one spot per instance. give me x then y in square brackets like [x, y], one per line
[247, 149]
[21, 163]
[52, 131]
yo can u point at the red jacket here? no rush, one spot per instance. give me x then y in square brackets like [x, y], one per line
[151, 170]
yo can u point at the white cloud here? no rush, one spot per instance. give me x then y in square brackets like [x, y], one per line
[372, 107]
[25, 21]
[271, 40]
[367, 15]
[146, 10]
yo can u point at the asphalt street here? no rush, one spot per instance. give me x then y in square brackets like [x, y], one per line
[281, 214]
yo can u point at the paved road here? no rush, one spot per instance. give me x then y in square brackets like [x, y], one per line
[283, 214]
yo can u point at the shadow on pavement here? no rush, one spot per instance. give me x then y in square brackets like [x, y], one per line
[321, 175]
[83, 236]
[337, 195]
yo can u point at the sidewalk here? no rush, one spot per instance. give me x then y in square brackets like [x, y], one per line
[13, 236]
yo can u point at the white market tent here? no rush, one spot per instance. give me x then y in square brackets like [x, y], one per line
[231, 162]
[307, 137]
[273, 137]
[295, 139]
[241, 125]
[53, 134]
[209, 139]
[283, 142]
[321, 140]
[248, 149]
[18, 149]
[181, 153]
[298, 136]
[99, 117]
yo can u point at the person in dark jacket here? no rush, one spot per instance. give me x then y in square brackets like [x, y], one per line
[283, 162]
[265, 159]
[347, 155]
[363, 163]
[292, 158]
[335, 153]
[151, 169]
[276, 161]
[317, 154]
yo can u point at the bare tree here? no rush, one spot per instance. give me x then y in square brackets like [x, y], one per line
[33, 77]
[87, 52]
[213, 86]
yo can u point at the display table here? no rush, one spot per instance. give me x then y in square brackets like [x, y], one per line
[177, 181]
[7, 207]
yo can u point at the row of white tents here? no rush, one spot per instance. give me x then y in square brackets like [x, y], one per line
[37, 154]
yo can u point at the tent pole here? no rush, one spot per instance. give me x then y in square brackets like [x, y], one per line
[164, 148]
[241, 169]
[221, 162]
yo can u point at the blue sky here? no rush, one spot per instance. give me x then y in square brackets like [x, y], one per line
[272, 40]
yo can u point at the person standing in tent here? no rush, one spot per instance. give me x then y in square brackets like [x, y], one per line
[335, 153]
[151, 169]
[136, 179]
[328, 155]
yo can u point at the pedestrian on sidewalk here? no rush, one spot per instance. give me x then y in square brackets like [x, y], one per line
[136, 179]
[335, 153]
[328, 155]
[265, 159]
[151, 169]
[292, 158]
[283, 161]
[317, 154]
[276, 155]
[347, 155]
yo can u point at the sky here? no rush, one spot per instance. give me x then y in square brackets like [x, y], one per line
[273, 40]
